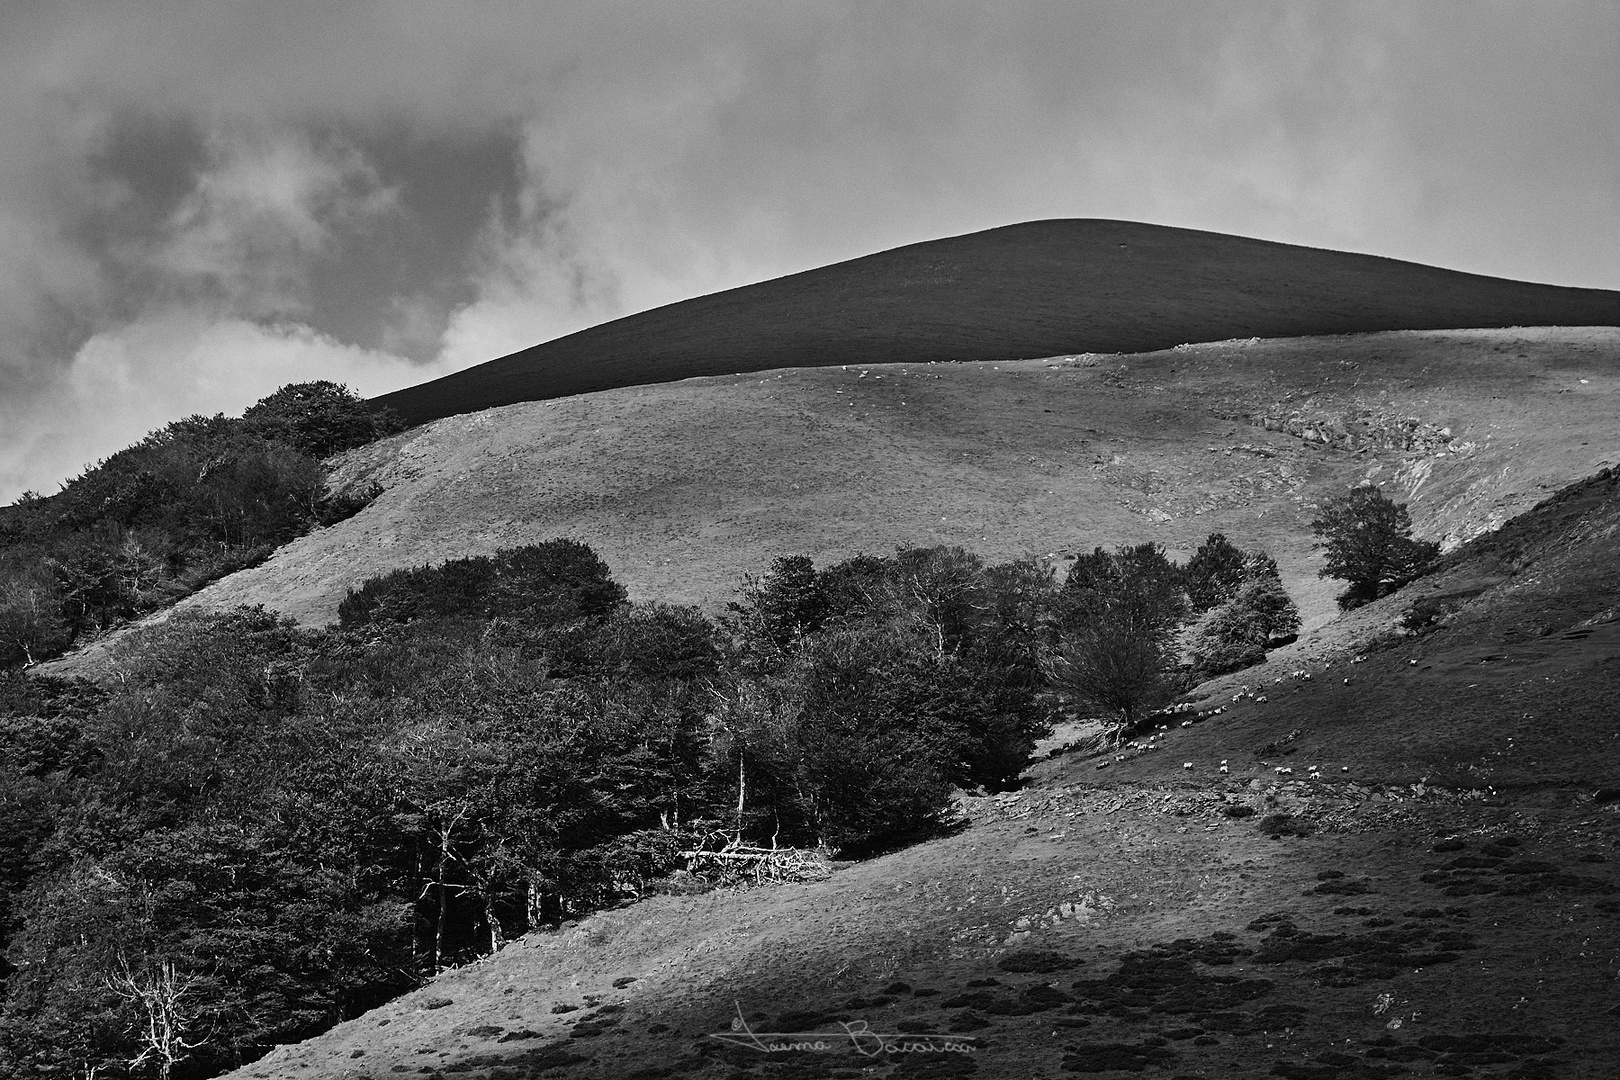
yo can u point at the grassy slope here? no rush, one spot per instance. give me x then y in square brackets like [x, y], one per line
[1028, 290]
[685, 487]
[1503, 723]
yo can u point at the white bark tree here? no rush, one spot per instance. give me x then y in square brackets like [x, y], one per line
[161, 996]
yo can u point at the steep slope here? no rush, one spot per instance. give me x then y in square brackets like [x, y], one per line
[1440, 898]
[686, 487]
[1035, 289]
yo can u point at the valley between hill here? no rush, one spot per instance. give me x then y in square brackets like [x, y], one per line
[686, 487]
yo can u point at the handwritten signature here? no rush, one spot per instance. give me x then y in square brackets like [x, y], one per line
[856, 1034]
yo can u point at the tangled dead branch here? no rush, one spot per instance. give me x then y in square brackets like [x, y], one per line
[741, 864]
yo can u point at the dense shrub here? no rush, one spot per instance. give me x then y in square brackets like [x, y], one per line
[195, 500]
[554, 582]
[319, 418]
[1235, 634]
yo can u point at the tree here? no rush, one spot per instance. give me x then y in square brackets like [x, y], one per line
[1235, 635]
[1116, 647]
[777, 610]
[940, 592]
[1369, 543]
[1214, 573]
[547, 584]
[31, 622]
[165, 1016]
[874, 753]
[647, 642]
[319, 418]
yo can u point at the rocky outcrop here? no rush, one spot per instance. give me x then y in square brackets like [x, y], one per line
[1357, 429]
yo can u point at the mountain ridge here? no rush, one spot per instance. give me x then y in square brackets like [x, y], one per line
[1030, 289]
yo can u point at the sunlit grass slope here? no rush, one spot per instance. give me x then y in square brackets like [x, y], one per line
[685, 487]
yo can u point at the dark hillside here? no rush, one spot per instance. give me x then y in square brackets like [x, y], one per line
[1040, 288]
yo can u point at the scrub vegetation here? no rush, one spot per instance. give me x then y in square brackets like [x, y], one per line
[190, 503]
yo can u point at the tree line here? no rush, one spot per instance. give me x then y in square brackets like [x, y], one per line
[188, 504]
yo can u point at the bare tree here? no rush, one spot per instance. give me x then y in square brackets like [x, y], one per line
[447, 816]
[1110, 668]
[161, 996]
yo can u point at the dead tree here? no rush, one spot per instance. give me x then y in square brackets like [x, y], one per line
[161, 996]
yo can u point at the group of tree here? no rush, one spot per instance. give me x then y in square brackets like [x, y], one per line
[1134, 629]
[257, 830]
[856, 698]
[189, 503]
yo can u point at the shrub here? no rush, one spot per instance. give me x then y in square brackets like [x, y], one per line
[1235, 635]
[344, 505]
[547, 584]
[1285, 825]
[319, 418]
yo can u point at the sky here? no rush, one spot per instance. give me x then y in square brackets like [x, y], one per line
[203, 201]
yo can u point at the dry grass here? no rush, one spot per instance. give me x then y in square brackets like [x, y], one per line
[686, 487]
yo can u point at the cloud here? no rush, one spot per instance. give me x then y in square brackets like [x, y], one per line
[261, 213]
[124, 383]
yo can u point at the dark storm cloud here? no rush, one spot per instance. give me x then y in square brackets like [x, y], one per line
[202, 200]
